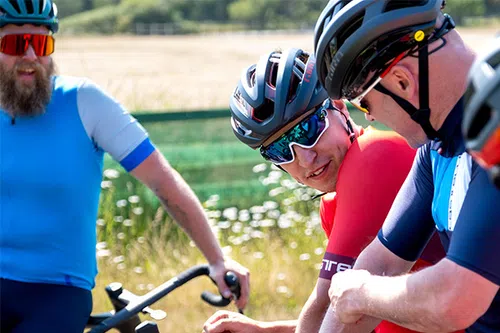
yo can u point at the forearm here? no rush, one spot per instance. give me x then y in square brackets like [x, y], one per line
[310, 319]
[418, 301]
[378, 260]
[183, 205]
[332, 325]
[314, 310]
[284, 326]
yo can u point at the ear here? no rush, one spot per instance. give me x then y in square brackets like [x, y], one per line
[402, 81]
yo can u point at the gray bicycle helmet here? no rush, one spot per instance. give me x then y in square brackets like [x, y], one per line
[36, 12]
[281, 87]
[481, 122]
[357, 41]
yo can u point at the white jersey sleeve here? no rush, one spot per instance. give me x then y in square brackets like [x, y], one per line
[111, 127]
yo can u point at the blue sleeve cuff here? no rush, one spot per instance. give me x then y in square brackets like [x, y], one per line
[138, 155]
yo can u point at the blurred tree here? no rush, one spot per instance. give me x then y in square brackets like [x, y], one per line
[276, 13]
[68, 7]
[87, 5]
[123, 15]
[204, 10]
[460, 9]
[492, 7]
[250, 12]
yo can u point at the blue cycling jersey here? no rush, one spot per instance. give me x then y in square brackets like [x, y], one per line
[446, 190]
[50, 176]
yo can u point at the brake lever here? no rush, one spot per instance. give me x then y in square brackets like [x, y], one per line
[233, 283]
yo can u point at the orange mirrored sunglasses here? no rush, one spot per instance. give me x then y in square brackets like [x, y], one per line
[17, 45]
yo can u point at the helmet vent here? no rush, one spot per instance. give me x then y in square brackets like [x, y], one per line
[29, 7]
[273, 74]
[353, 25]
[251, 79]
[15, 5]
[264, 111]
[299, 70]
[294, 85]
[398, 4]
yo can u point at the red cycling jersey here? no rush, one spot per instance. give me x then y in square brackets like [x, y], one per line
[373, 170]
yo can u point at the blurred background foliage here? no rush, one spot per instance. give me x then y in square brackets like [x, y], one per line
[192, 16]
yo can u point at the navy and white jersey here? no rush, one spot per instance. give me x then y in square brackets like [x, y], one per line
[50, 177]
[446, 190]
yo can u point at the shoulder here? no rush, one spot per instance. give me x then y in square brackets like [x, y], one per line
[376, 141]
[375, 152]
[65, 82]
[83, 85]
[91, 96]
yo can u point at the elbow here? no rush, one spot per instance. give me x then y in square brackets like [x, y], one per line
[458, 313]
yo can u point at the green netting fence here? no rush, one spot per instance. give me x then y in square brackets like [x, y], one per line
[203, 148]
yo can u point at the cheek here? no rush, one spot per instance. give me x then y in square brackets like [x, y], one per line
[7, 62]
[293, 170]
[334, 140]
[45, 61]
[388, 113]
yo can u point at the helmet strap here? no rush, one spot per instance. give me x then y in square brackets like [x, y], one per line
[421, 115]
[349, 129]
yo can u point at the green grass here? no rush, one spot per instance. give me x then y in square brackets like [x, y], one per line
[280, 241]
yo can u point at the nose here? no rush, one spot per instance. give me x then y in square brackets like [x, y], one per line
[305, 156]
[30, 54]
[369, 117]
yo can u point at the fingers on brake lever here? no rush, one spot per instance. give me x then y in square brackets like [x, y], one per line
[233, 283]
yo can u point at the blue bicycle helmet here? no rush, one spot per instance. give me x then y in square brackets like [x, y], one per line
[36, 12]
[281, 87]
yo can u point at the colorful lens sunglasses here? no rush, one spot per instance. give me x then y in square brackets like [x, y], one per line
[17, 45]
[305, 134]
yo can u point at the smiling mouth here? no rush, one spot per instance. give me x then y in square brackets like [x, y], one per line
[26, 71]
[318, 171]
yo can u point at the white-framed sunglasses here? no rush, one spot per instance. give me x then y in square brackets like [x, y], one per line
[305, 134]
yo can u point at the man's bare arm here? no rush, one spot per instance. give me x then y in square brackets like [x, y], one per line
[314, 310]
[378, 260]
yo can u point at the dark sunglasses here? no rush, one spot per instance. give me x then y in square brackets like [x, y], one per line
[17, 45]
[305, 134]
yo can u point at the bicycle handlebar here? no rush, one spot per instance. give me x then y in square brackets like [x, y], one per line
[129, 305]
